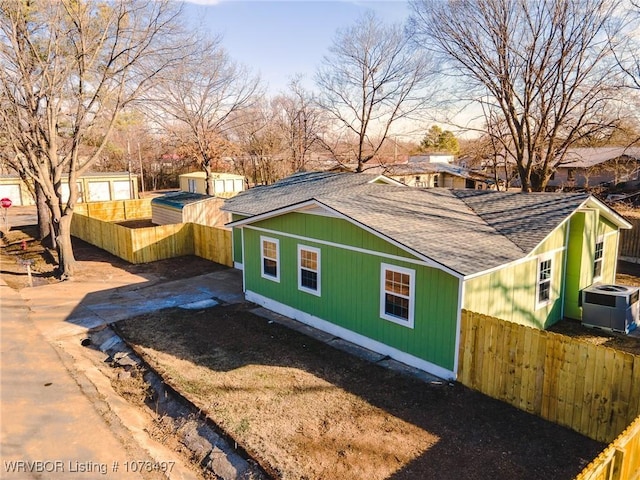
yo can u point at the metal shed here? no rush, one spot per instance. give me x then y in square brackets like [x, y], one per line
[185, 207]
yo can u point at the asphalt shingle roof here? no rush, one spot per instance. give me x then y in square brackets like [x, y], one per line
[589, 157]
[468, 231]
[524, 218]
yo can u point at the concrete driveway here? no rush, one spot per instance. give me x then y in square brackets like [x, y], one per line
[60, 417]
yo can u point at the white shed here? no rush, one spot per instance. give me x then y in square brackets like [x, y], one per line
[224, 184]
[92, 187]
[185, 207]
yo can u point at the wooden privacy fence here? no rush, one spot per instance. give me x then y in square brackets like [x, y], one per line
[116, 211]
[629, 249]
[620, 460]
[143, 245]
[589, 388]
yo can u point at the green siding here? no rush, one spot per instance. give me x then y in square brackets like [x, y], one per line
[330, 229]
[237, 240]
[350, 284]
[510, 292]
[586, 227]
[610, 255]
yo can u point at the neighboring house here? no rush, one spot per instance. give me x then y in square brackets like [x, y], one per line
[92, 187]
[391, 267]
[224, 184]
[591, 167]
[432, 158]
[185, 207]
[434, 175]
[582, 168]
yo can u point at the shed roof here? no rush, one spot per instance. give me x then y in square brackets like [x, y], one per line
[589, 157]
[179, 200]
[464, 231]
[431, 168]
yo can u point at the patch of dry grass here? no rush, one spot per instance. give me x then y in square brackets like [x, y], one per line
[251, 401]
[132, 386]
[304, 410]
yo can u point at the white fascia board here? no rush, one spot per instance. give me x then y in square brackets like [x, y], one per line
[315, 205]
[589, 203]
[608, 212]
[430, 262]
[388, 180]
[274, 213]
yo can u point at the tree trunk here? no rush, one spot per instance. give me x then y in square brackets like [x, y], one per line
[44, 214]
[66, 260]
[539, 180]
[209, 179]
[525, 176]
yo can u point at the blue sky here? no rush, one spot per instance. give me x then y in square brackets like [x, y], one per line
[279, 39]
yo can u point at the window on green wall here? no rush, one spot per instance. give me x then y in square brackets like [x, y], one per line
[309, 269]
[269, 256]
[544, 282]
[597, 260]
[397, 295]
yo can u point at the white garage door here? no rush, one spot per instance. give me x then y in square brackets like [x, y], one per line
[11, 192]
[65, 192]
[99, 192]
[121, 190]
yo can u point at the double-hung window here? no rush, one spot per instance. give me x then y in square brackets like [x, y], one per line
[397, 294]
[597, 260]
[269, 257]
[309, 269]
[543, 293]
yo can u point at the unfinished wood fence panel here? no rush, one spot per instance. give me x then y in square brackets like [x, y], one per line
[620, 460]
[117, 210]
[136, 209]
[589, 388]
[213, 243]
[144, 245]
[161, 242]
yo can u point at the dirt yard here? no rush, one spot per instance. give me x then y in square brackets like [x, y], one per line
[19, 245]
[304, 410]
[307, 411]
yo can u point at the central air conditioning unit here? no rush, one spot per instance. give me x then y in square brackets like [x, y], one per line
[611, 307]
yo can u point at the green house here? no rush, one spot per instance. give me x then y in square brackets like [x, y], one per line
[391, 267]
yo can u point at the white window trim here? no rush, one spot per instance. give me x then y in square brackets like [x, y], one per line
[540, 259]
[384, 267]
[300, 286]
[600, 239]
[277, 259]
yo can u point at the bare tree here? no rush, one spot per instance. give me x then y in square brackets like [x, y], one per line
[261, 144]
[66, 67]
[203, 99]
[371, 78]
[542, 66]
[300, 122]
[626, 46]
